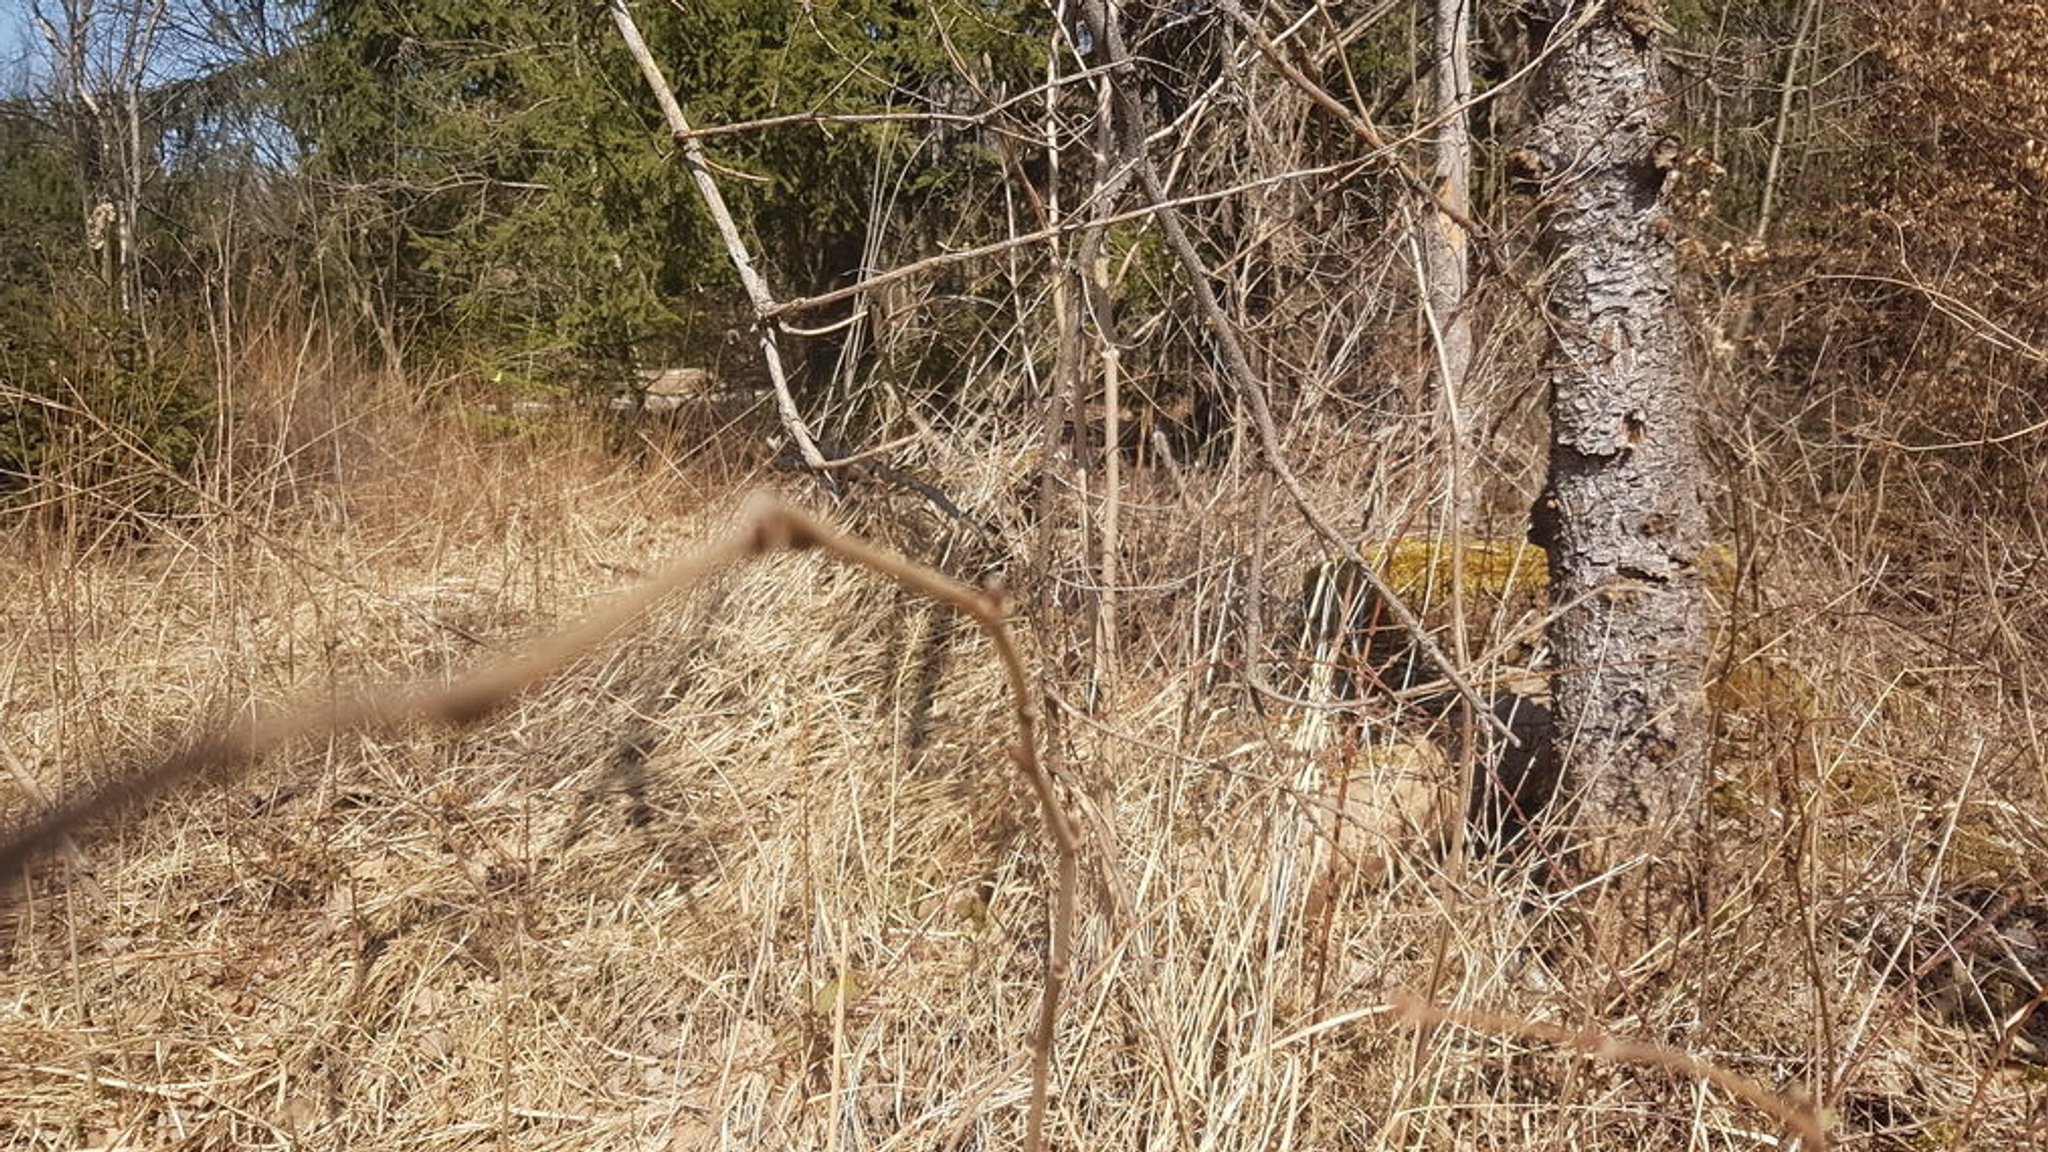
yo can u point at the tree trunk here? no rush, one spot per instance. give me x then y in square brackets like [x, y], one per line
[1624, 518]
[1444, 242]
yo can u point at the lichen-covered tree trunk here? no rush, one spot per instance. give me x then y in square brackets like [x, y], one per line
[1624, 516]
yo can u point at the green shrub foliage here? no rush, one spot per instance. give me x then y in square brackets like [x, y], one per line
[86, 396]
[500, 180]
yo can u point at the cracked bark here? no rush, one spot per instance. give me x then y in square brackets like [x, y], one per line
[1623, 517]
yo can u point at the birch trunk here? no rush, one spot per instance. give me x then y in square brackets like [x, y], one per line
[1624, 517]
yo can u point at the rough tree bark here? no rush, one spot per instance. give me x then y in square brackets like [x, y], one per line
[1624, 517]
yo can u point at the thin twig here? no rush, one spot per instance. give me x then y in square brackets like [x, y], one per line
[826, 119]
[1787, 95]
[1067, 227]
[1359, 124]
[985, 118]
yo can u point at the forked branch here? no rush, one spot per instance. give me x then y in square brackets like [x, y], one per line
[728, 231]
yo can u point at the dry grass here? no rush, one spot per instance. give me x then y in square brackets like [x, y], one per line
[760, 874]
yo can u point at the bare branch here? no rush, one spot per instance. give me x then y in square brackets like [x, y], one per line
[735, 247]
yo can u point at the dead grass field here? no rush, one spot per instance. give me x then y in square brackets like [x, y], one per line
[759, 873]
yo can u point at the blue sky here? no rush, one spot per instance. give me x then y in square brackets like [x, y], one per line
[14, 44]
[174, 55]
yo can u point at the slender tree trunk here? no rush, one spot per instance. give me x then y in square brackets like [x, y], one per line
[1624, 517]
[1445, 245]
[1446, 282]
[100, 62]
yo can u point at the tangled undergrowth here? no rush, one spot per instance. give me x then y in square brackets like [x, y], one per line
[760, 873]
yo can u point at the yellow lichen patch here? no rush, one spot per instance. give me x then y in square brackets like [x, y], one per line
[1423, 567]
[1426, 568]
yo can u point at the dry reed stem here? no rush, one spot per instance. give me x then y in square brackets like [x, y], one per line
[766, 526]
[1799, 1119]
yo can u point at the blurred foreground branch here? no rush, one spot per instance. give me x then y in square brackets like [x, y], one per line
[219, 756]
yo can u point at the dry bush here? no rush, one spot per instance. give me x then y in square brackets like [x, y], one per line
[1885, 491]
